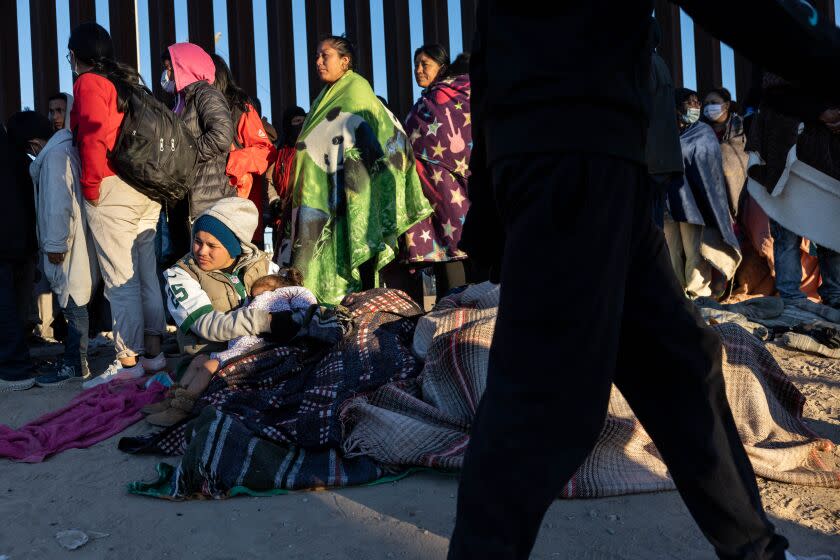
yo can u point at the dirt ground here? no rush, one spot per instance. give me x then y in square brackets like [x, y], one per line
[411, 519]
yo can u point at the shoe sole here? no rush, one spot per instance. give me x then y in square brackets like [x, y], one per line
[67, 381]
[13, 386]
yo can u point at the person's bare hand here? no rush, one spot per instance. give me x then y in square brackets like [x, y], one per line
[831, 118]
[56, 258]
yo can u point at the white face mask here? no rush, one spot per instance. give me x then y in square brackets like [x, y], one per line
[167, 84]
[713, 111]
[691, 116]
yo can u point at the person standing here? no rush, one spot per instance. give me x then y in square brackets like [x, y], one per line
[68, 254]
[549, 379]
[206, 113]
[17, 226]
[439, 129]
[356, 188]
[122, 220]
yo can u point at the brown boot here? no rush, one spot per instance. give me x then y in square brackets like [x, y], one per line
[167, 418]
[161, 406]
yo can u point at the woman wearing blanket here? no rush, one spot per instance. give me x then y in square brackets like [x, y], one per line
[355, 186]
[208, 297]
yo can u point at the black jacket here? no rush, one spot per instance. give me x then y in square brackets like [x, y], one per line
[17, 213]
[207, 115]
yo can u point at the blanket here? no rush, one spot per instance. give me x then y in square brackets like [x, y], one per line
[283, 402]
[92, 416]
[426, 421]
[440, 130]
[356, 189]
[702, 199]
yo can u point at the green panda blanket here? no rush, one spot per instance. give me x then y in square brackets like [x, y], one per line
[356, 189]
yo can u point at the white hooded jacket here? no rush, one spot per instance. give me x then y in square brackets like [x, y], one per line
[61, 221]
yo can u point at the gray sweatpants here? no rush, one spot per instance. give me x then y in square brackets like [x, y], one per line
[123, 227]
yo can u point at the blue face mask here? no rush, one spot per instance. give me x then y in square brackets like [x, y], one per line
[691, 116]
[167, 84]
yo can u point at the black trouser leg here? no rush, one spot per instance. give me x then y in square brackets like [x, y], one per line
[555, 352]
[670, 371]
[554, 347]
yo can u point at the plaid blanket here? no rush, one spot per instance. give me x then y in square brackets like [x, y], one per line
[224, 458]
[289, 397]
[426, 421]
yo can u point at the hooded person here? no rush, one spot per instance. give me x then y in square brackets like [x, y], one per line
[206, 113]
[67, 250]
[207, 290]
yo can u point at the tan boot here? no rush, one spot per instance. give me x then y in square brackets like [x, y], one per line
[165, 404]
[168, 417]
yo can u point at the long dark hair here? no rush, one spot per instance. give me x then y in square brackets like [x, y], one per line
[438, 53]
[92, 44]
[235, 95]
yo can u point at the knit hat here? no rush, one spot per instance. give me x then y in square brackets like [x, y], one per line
[239, 215]
[220, 231]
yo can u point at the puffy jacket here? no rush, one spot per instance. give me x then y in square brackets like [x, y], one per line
[251, 154]
[207, 116]
[62, 225]
[95, 121]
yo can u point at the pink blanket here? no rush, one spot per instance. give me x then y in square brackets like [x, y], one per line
[93, 416]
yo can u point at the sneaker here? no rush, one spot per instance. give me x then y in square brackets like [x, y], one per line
[58, 375]
[115, 371]
[153, 365]
[789, 556]
[21, 385]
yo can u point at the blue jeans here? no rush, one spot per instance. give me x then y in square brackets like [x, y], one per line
[75, 347]
[14, 355]
[789, 267]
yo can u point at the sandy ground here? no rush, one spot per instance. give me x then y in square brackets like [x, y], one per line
[410, 519]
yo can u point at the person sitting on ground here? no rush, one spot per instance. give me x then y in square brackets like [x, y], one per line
[207, 289]
[279, 292]
[69, 255]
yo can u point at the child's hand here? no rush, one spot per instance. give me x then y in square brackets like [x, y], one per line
[56, 258]
[211, 366]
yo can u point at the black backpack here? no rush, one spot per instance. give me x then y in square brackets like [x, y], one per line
[155, 152]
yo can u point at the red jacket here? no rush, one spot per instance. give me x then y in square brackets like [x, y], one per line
[252, 153]
[95, 122]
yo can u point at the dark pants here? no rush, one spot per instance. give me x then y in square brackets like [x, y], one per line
[604, 308]
[76, 344]
[14, 355]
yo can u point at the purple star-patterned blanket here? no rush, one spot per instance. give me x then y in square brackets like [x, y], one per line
[440, 131]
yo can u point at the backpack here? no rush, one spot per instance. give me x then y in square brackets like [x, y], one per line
[154, 152]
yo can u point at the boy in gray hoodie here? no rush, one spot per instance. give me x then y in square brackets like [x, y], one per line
[70, 263]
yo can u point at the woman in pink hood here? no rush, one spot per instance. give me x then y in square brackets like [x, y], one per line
[205, 111]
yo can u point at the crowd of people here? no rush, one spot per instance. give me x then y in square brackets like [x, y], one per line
[358, 197]
[355, 196]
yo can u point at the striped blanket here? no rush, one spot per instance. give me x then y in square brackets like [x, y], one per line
[277, 410]
[426, 421]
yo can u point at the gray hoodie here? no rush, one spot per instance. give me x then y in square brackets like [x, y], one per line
[61, 221]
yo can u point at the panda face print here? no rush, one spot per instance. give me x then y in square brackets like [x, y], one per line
[327, 143]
